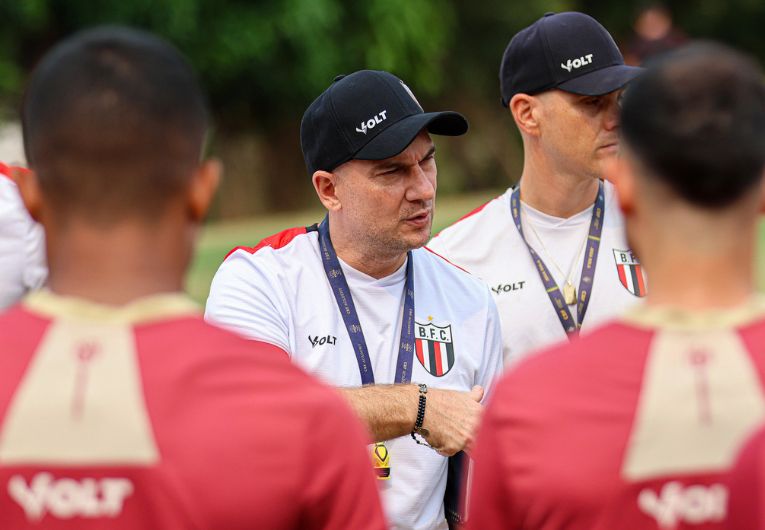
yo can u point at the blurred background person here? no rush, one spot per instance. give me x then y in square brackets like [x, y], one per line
[119, 406]
[654, 32]
[636, 424]
[22, 244]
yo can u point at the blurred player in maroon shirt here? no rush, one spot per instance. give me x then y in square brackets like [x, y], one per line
[747, 487]
[635, 425]
[119, 407]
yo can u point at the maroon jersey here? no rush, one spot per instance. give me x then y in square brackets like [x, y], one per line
[633, 426]
[146, 417]
[747, 487]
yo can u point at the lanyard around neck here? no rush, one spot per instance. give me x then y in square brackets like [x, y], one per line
[342, 293]
[587, 279]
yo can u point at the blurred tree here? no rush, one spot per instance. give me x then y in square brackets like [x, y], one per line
[263, 61]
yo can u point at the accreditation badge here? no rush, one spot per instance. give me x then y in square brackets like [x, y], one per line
[381, 461]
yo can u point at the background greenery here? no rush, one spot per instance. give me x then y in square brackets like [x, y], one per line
[263, 61]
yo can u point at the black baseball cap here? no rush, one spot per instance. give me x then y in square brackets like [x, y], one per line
[569, 51]
[367, 115]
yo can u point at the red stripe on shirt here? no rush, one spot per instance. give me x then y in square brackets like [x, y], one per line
[469, 214]
[418, 347]
[280, 240]
[622, 276]
[446, 260]
[439, 364]
[7, 171]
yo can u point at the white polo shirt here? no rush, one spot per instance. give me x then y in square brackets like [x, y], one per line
[278, 292]
[486, 243]
[22, 246]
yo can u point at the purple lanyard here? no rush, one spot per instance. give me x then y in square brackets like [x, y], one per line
[344, 300]
[570, 326]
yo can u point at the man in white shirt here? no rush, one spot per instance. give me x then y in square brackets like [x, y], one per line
[370, 304]
[553, 250]
[22, 244]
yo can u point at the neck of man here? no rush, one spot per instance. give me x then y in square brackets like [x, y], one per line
[118, 264]
[697, 262]
[356, 252]
[554, 192]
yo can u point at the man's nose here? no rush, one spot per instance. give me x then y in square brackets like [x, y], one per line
[423, 187]
[611, 117]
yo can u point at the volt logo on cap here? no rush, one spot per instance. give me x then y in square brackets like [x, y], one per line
[577, 63]
[372, 122]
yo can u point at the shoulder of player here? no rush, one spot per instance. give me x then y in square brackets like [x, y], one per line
[17, 323]
[556, 369]
[289, 240]
[224, 363]
[481, 218]
[198, 341]
[442, 271]
[445, 269]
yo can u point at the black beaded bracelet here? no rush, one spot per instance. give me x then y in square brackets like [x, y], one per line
[421, 416]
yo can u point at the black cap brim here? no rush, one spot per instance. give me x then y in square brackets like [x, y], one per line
[601, 81]
[398, 136]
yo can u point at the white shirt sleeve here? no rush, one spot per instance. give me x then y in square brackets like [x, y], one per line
[439, 246]
[491, 368]
[247, 298]
[36, 268]
[22, 247]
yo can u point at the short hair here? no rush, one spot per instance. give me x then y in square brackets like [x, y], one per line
[696, 121]
[114, 123]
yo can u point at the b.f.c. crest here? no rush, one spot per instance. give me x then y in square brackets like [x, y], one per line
[630, 272]
[434, 347]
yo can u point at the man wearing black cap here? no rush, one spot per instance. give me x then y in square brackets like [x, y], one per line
[552, 249]
[358, 301]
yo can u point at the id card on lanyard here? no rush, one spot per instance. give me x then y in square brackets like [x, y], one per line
[587, 279]
[342, 292]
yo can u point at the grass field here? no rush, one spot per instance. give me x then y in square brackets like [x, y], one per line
[218, 238]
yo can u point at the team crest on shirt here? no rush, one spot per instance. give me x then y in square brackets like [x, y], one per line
[630, 272]
[434, 347]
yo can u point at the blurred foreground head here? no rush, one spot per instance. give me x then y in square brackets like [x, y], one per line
[114, 124]
[693, 127]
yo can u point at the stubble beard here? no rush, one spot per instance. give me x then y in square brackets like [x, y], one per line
[384, 245]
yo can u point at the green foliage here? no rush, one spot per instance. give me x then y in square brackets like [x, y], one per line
[263, 58]
[267, 59]
[263, 61]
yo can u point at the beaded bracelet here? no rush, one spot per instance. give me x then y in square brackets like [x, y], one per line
[421, 417]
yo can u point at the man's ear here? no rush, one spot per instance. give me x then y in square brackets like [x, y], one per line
[525, 111]
[325, 184]
[29, 189]
[202, 188]
[619, 172]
